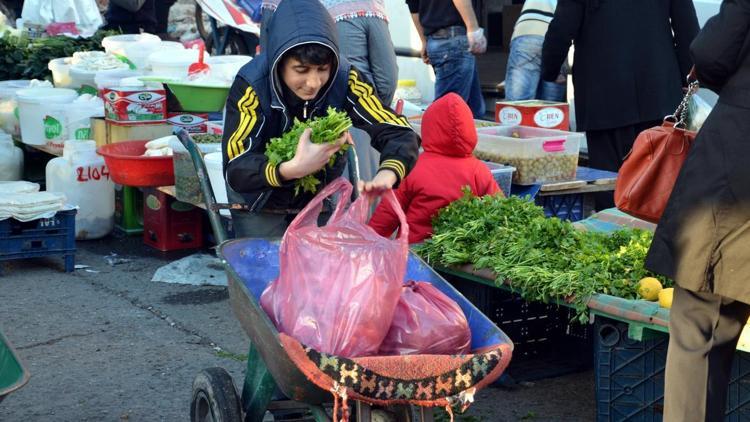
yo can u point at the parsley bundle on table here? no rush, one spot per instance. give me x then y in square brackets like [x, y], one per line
[542, 258]
[325, 129]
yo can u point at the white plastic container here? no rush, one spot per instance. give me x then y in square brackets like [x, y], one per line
[216, 177]
[35, 109]
[11, 159]
[60, 69]
[9, 104]
[112, 78]
[135, 47]
[84, 179]
[539, 155]
[173, 63]
[226, 67]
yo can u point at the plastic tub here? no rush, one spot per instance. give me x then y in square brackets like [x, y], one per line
[35, 105]
[539, 155]
[173, 63]
[227, 67]
[135, 47]
[113, 78]
[502, 174]
[128, 166]
[60, 69]
[9, 104]
[199, 98]
[216, 176]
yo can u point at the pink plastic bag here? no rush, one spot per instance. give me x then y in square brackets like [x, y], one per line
[338, 285]
[427, 322]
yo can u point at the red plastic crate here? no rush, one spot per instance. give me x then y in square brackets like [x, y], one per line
[169, 224]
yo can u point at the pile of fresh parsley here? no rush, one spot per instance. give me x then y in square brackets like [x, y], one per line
[325, 129]
[541, 258]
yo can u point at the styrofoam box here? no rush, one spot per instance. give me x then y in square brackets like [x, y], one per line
[539, 155]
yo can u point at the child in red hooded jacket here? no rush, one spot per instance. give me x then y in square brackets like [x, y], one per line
[446, 165]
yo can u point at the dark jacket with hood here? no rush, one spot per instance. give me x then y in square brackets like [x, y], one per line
[703, 238]
[446, 166]
[260, 107]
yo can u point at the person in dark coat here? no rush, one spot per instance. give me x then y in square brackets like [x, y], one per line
[702, 241]
[631, 58]
[132, 16]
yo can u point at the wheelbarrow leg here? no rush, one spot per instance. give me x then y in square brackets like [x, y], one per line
[258, 388]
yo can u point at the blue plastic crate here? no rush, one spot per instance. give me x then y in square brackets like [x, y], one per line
[630, 376]
[53, 236]
[565, 207]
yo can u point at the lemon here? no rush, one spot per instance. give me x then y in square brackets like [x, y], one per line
[665, 297]
[649, 288]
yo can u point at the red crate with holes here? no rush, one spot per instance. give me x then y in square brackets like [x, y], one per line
[169, 224]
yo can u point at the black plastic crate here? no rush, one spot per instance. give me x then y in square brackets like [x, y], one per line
[52, 236]
[630, 376]
[547, 343]
[565, 207]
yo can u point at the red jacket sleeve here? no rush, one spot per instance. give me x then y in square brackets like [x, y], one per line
[384, 220]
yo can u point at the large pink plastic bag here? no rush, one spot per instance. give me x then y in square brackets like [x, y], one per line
[338, 285]
[427, 322]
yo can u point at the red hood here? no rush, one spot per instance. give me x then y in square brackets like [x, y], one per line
[448, 127]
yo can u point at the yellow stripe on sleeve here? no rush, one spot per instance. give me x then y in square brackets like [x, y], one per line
[247, 106]
[371, 102]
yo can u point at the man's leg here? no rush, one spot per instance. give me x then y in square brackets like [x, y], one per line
[382, 58]
[704, 329]
[251, 224]
[353, 44]
[524, 68]
[455, 70]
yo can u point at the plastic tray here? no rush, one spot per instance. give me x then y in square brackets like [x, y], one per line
[539, 155]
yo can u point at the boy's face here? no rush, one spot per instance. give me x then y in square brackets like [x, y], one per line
[304, 80]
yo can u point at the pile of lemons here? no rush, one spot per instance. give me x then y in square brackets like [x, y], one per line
[649, 288]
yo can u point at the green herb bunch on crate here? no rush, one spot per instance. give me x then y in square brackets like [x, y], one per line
[325, 129]
[543, 259]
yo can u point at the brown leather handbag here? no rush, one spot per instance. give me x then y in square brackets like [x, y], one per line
[650, 170]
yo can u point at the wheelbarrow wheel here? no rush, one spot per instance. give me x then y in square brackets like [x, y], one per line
[214, 397]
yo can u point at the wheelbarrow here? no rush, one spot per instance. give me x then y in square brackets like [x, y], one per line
[310, 380]
[12, 373]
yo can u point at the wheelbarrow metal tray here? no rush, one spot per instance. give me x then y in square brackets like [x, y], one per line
[12, 373]
[252, 264]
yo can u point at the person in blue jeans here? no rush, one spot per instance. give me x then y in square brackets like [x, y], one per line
[523, 79]
[450, 38]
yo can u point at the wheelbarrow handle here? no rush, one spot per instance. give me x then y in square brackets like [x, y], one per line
[208, 193]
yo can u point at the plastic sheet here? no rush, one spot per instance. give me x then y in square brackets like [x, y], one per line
[338, 284]
[427, 322]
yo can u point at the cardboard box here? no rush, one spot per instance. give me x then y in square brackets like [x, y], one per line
[134, 105]
[104, 132]
[191, 122]
[533, 113]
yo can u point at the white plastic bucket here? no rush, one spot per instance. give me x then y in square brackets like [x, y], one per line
[134, 47]
[60, 69]
[216, 177]
[35, 106]
[113, 78]
[173, 63]
[9, 105]
[227, 67]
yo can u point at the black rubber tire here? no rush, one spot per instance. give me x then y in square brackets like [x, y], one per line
[203, 31]
[214, 397]
[235, 45]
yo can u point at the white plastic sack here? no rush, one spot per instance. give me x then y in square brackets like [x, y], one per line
[85, 13]
[31, 206]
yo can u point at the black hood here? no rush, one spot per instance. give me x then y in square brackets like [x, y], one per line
[294, 23]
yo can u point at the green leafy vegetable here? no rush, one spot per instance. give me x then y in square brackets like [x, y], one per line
[542, 258]
[325, 129]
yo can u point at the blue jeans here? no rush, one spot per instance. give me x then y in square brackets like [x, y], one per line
[456, 70]
[366, 42]
[523, 74]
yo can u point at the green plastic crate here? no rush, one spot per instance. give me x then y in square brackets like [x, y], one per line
[128, 210]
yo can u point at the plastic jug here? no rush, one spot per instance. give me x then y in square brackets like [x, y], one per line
[84, 179]
[11, 159]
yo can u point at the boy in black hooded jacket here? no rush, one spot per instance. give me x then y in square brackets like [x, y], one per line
[299, 76]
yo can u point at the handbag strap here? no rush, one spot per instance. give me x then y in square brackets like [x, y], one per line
[680, 115]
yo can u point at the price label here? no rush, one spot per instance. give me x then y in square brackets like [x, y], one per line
[85, 174]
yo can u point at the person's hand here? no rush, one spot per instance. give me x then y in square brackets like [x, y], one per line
[477, 41]
[423, 53]
[310, 157]
[561, 79]
[384, 180]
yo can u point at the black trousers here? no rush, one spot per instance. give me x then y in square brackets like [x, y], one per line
[703, 333]
[607, 151]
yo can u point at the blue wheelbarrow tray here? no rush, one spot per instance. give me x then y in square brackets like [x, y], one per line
[306, 375]
[12, 373]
